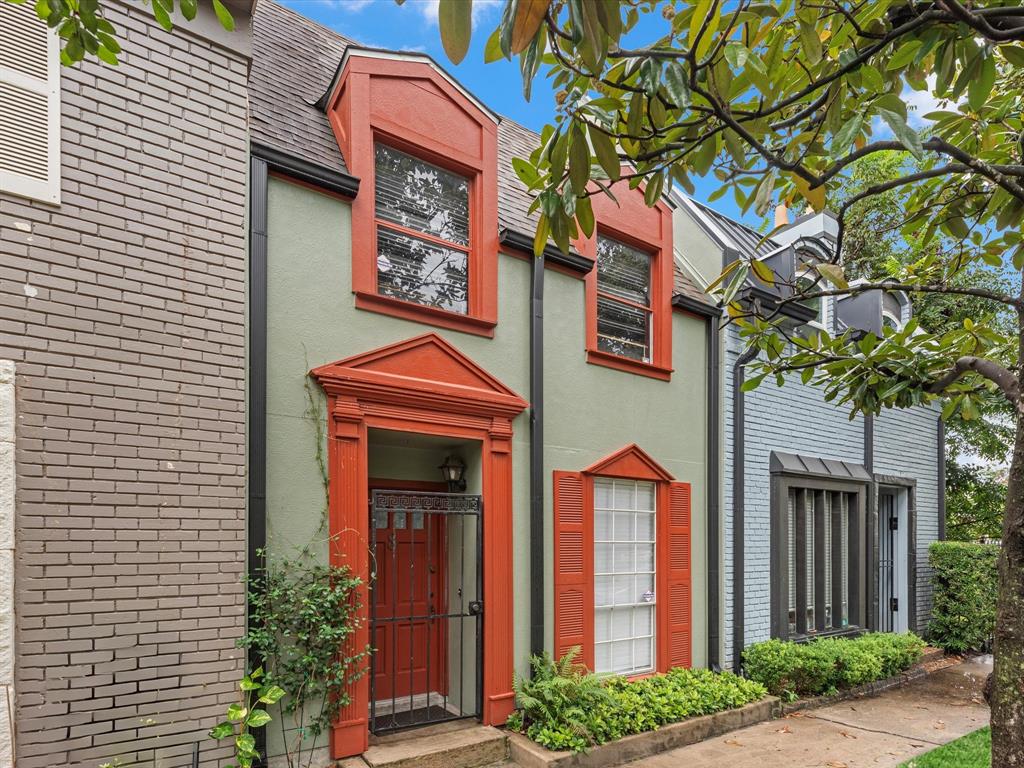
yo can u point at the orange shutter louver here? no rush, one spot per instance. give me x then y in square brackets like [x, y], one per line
[573, 568]
[680, 623]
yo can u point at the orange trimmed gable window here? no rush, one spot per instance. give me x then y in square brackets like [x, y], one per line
[624, 309]
[629, 292]
[622, 577]
[425, 221]
[423, 226]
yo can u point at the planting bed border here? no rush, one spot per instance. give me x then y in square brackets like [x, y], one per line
[529, 754]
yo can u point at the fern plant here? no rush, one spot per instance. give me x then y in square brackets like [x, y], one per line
[559, 701]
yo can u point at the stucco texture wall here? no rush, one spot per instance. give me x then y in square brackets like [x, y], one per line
[591, 411]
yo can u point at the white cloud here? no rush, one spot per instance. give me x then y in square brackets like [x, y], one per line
[352, 6]
[920, 103]
[428, 8]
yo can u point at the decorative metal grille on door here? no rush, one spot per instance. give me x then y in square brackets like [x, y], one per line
[426, 608]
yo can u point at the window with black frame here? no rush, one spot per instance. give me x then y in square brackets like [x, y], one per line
[624, 310]
[823, 552]
[423, 230]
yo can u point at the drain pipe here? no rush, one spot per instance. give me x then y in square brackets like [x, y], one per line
[537, 455]
[714, 497]
[738, 522]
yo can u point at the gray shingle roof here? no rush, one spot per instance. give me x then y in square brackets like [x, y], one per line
[294, 62]
[294, 59]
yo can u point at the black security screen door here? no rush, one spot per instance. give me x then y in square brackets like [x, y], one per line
[426, 593]
[887, 522]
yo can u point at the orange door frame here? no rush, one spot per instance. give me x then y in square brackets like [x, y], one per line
[448, 396]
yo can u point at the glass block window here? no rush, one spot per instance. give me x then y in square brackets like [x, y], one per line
[624, 567]
[624, 307]
[422, 215]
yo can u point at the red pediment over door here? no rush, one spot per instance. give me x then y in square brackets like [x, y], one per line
[423, 367]
[631, 462]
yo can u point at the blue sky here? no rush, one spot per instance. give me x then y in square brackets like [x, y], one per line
[413, 26]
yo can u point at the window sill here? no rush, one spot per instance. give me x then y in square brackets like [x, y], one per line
[608, 360]
[418, 313]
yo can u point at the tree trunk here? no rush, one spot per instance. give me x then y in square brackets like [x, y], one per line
[1008, 674]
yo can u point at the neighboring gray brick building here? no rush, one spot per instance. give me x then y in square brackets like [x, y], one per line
[122, 303]
[804, 462]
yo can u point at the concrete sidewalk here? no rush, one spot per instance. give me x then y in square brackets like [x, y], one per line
[880, 731]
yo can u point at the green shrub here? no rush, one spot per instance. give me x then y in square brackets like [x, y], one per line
[791, 670]
[966, 579]
[565, 707]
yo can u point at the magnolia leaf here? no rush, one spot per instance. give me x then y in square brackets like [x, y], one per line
[528, 17]
[810, 41]
[540, 237]
[844, 136]
[224, 15]
[604, 150]
[455, 19]
[979, 88]
[906, 135]
[730, 267]
[579, 159]
[526, 172]
[763, 271]
[752, 383]
[1013, 54]
[585, 216]
[814, 196]
[675, 82]
[834, 274]
[492, 50]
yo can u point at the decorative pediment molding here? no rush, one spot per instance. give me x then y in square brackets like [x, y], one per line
[632, 462]
[427, 371]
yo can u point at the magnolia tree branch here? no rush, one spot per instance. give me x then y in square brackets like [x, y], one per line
[853, 290]
[1007, 382]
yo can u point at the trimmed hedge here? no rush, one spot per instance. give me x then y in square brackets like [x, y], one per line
[966, 579]
[792, 670]
[565, 707]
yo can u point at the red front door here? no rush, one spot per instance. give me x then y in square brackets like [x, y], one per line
[409, 646]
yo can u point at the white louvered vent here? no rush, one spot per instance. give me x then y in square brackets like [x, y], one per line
[29, 105]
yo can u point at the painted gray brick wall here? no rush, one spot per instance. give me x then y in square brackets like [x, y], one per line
[906, 444]
[124, 309]
[792, 418]
[796, 419]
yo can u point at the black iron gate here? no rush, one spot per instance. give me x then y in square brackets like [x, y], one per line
[426, 608]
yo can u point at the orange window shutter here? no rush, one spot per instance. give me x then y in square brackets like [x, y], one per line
[572, 581]
[680, 613]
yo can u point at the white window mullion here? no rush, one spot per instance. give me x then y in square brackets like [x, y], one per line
[624, 576]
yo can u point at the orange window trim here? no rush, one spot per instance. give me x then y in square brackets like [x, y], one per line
[574, 558]
[409, 106]
[650, 230]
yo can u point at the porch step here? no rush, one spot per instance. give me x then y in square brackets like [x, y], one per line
[471, 746]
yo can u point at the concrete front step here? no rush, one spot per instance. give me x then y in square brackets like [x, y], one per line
[472, 746]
